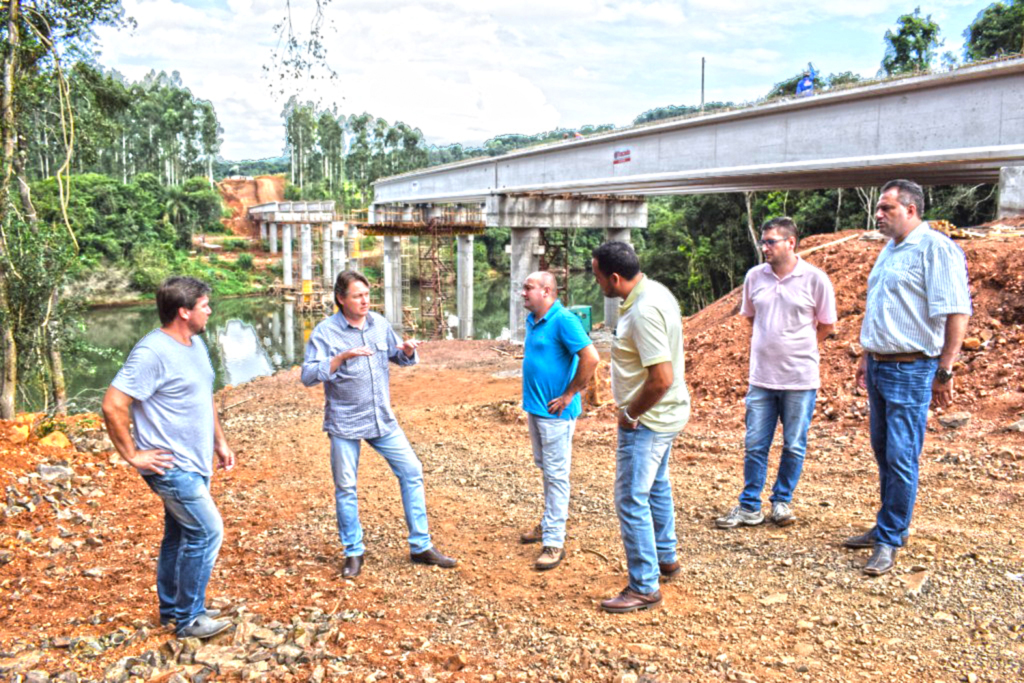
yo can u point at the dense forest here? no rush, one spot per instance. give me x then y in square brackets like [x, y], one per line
[103, 177]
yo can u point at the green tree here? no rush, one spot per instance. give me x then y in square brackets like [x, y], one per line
[997, 30]
[912, 47]
[35, 36]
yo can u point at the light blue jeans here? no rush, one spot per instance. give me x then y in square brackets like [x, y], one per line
[643, 501]
[898, 396]
[765, 409]
[403, 462]
[193, 532]
[552, 453]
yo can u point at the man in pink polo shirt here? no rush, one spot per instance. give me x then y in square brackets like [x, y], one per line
[791, 308]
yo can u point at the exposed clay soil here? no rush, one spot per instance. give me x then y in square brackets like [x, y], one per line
[763, 604]
[241, 193]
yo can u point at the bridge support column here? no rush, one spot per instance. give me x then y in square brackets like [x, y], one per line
[327, 237]
[286, 260]
[393, 282]
[352, 244]
[337, 229]
[1011, 191]
[273, 238]
[263, 230]
[464, 285]
[525, 252]
[307, 259]
[611, 305]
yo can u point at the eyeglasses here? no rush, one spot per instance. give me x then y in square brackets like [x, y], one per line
[767, 242]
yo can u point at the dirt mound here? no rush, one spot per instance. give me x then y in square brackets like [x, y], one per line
[241, 193]
[990, 380]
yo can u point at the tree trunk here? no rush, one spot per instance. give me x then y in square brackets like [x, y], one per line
[751, 229]
[9, 382]
[839, 206]
[60, 393]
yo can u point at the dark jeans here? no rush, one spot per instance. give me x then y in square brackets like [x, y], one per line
[193, 532]
[899, 395]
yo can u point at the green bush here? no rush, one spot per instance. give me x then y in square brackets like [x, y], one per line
[232, 243]
[244, 261]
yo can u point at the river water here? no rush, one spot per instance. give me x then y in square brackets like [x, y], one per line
[255, 337]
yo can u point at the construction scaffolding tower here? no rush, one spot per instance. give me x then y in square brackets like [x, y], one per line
[437, 278]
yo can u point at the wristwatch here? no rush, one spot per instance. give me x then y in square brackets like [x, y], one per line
[943, 375]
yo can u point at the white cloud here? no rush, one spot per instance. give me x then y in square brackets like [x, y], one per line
[465, 70]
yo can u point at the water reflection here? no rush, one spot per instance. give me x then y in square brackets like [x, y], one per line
[243, 355]
[250, 338]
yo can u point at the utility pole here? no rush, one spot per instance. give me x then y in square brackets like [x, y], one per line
[701, 85]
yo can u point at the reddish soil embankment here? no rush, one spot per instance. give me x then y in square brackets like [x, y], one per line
[241, 193]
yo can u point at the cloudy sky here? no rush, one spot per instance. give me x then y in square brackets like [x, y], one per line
[467, 70]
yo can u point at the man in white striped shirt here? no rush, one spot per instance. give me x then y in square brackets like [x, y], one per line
[916, 316]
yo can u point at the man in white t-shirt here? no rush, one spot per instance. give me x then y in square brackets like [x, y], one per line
[791, 307]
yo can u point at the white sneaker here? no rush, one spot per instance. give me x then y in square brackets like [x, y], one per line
[782, 515]
[738, 516]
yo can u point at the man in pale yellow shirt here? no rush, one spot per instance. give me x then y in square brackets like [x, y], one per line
[649, 387]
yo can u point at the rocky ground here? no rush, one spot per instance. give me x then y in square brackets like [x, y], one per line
[79, 535]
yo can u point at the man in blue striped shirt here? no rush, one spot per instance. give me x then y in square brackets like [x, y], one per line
[916, 316]
[350, 354]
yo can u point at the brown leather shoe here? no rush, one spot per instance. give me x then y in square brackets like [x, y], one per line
[534, 535]
[670, 570]
[433, 557]
[353, 565]
[549, 558]
[630, 601]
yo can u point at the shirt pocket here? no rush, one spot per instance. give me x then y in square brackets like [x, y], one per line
[381, 355]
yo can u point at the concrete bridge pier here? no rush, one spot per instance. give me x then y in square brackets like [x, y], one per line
[464, 285]
[263, 230]
[611, 305]
[524, 252]
[393, 282]
[286, 260]
[351, 247]
[307, 259]
[273, 238]
[326, 238]
[1011, 191]
[337, 229]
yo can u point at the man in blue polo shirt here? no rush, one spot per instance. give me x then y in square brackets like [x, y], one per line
[558, 362]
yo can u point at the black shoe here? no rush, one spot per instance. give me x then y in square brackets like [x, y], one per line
[867, 539]
[881, 561]
[353, 565]
[433, 557]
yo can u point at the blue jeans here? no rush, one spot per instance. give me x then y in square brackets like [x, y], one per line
[898, 395]
[643, 501]
[193, 532]
[765, 408]
[552, 453]
[403, 462]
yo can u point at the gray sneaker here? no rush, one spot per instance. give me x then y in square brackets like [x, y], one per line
[203, 627]
[782, 514]
[737, 517]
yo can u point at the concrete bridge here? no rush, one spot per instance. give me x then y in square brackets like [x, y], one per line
[965, 126]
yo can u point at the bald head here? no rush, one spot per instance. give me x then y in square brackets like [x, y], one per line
[540, 290]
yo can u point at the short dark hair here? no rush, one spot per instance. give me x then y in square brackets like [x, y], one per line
[178, 292]
[344, 280]
[617, 258]
[783, 224]
[908, 193]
